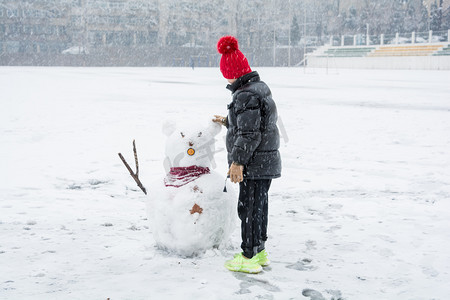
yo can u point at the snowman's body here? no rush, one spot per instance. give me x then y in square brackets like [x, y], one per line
[191, 212]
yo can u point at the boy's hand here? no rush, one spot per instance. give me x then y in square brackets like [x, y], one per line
[236, 173]
[219, 119]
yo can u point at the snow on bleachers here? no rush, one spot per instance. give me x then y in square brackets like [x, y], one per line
[406, 50]
[444, 51]
[347, 51]
[383, 51]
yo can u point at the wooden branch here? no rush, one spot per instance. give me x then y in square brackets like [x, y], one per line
[134, 175]
[135, 158]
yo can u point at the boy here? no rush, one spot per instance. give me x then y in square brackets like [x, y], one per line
[252, 144]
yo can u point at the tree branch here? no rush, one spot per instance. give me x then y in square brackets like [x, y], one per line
[133, 174]
[136, 158]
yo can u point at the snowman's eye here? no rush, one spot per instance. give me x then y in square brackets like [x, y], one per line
[199, 134]
[182, 134]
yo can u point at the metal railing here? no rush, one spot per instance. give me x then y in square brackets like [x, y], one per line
[427, 37]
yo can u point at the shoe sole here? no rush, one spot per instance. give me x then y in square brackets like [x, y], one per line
[265, 264]
[244, 270]
[248, 271]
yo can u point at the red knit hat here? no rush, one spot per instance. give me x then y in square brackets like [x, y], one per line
[233, 63]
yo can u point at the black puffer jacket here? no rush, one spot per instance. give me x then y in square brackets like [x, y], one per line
[252, 137]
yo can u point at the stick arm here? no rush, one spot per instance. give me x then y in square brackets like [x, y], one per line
[134, 175]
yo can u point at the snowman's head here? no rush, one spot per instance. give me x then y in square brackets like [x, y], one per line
[190, 144]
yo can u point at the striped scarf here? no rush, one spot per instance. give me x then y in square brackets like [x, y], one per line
[180, 176]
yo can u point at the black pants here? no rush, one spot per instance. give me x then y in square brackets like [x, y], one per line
[253, 212]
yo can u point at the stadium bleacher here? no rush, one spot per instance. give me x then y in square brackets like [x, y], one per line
[409, 50]
[383, 51]
[444, 51]
[347, 51]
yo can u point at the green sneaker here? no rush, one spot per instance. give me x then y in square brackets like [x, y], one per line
[241, 264]
[263, 260]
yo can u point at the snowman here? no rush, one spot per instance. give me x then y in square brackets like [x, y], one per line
[191, 209]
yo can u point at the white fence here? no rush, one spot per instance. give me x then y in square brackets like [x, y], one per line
[418, 51]
[391, 39]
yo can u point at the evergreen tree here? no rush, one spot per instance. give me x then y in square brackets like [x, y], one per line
[350, 21]
[435, 17]
[446, 19]
[415, 16]
[295, 31]
[424, 20]
[397, 18]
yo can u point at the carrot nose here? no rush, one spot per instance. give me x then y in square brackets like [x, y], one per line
[191, 151]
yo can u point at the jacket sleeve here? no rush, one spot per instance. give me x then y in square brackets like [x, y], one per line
[248, 123]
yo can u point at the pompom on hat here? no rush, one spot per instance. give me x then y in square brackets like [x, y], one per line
[233, 63]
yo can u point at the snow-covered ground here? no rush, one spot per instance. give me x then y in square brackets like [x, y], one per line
[362, 210]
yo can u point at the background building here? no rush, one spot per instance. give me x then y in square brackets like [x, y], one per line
[185, 32]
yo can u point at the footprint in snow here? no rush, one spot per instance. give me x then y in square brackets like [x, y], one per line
[336, 294]
[332, 229]
[249, 281]
[315, 295]
[312, 294]
[335, 206]
[302, 265]
[310, 245]
[430, 271]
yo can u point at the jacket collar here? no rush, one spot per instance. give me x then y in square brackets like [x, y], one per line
[243, 80]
